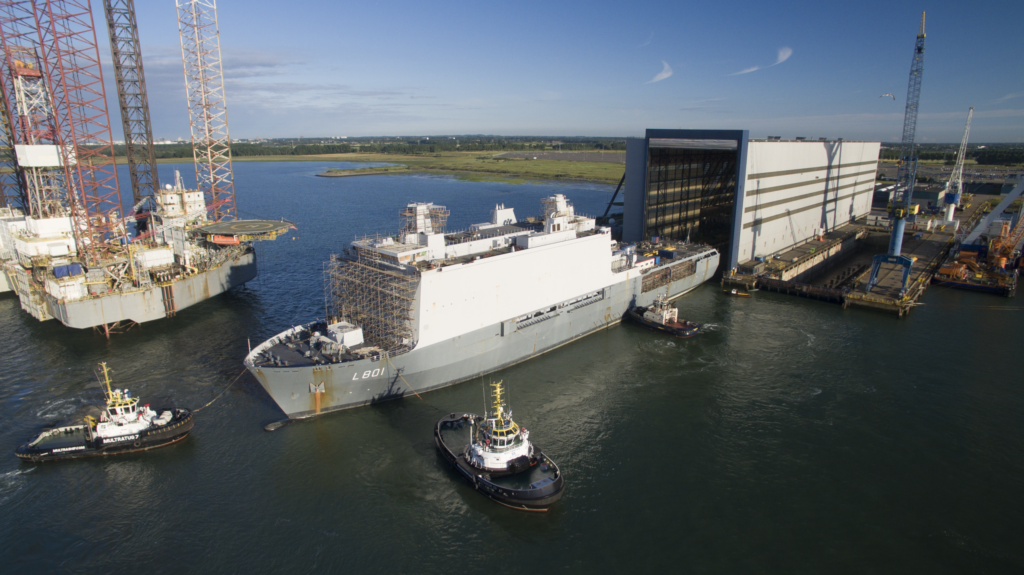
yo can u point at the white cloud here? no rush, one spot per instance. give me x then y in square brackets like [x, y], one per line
[784, 53]
[1009, 97]
[747, 71]
[665, 73]
[648, 42]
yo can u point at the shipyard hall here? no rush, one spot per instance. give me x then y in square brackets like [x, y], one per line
[750, 199]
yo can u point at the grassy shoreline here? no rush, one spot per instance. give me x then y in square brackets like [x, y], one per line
[470, 165]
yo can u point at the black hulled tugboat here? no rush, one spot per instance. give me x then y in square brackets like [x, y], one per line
[124, 427]
[494, 454]
[664, 317]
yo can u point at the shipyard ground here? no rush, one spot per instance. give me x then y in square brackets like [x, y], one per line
[836, 268]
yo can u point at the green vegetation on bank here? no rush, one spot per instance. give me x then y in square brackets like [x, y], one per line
[486, 167]
[988, 155]
[394, 146]
[365, 171]
[465, 165]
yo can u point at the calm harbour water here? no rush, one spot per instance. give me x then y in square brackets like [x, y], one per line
[793, 437]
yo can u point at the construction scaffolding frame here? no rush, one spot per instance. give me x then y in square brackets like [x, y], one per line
[414, 220]
[378, 297]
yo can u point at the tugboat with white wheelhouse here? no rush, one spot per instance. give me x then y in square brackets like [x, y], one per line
[663, 316]
[124, 427]
[494, 454]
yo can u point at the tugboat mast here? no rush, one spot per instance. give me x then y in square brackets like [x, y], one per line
[106, 380]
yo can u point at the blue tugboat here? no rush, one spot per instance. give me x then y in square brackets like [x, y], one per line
[664, 317]
[494, 454]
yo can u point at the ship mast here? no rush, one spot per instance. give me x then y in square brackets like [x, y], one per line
[106, 381]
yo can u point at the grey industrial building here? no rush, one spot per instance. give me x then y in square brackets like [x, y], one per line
[748, 198]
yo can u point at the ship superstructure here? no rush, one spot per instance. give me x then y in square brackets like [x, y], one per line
[423, 309]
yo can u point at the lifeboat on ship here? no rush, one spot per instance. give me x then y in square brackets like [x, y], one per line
[225, 240]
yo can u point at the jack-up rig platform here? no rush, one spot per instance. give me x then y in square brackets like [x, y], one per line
[69, 248]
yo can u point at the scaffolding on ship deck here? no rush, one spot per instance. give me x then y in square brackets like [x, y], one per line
[432, 220]
[380, 298]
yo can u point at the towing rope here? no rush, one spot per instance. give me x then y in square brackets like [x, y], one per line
[399, 373]
[221, 393]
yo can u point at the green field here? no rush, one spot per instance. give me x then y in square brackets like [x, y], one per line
[474, 166]
[482, 166]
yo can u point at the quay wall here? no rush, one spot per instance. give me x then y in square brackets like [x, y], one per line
[822, 260]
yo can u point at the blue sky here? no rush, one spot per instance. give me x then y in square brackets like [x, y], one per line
[320, 68]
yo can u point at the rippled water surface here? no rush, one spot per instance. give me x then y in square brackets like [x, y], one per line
[793, 437]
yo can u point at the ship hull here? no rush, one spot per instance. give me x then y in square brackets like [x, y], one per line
[1003, 290]
[154, 303]
[5, 282]
[680, 332]
[305, 391]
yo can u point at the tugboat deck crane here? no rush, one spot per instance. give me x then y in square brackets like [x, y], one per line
[900, 207]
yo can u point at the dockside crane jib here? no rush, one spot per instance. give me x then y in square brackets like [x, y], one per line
[954, 188]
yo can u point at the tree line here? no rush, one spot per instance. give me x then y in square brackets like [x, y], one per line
[985, 157]
[184, 151]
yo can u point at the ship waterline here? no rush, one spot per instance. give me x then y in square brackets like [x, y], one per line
[308, 391]
[157, 302]
[516, 293]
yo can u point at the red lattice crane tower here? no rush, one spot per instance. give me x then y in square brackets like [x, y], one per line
[207, 106]
[67, 41]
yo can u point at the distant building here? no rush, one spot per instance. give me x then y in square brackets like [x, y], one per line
[748, 198]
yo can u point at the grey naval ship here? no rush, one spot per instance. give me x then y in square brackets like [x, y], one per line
[424, 309]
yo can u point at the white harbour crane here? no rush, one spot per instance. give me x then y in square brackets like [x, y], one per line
[954, 188]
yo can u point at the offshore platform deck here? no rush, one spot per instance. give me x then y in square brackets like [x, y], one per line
[246, 230]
